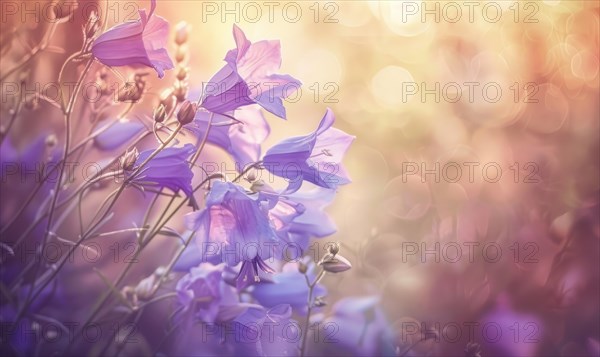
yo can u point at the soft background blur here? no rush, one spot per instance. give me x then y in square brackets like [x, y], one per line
[545, 298]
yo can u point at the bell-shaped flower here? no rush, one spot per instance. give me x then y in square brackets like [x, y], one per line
[168, 169]
[235, 227]
[315, 158]
[241, 138]
[139, 43]
[249, 77]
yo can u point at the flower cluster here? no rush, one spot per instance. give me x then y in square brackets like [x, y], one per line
[232, 268]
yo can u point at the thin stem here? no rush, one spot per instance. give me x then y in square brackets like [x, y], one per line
[311, 287]
[67, 118]
[200, 144]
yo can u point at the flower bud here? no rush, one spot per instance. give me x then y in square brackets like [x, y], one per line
[181, 33]
[334, 248]
[187, 112]
[180, 91]
[129, 158]
[127, 93]
[93, 25]
[160, 113]
[182, 73]
[302, 268]
[181, 54]
[335, 264]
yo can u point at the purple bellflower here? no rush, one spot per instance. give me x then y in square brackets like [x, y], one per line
[248, 78]
[315, 158]
[238, 224]
[168, 169]
[203, 291]
[138, 43]
[241, 139]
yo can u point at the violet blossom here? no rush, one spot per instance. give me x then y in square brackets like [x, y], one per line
[315, 157]
[136, 43]
[238, 225]
[242, 139]
[248, 78]
[168, 169]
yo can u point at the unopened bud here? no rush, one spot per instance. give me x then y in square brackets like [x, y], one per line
[127, 92]
[302, 268]
[181, 33]
[181, 54]
[93, 25]
[129, 159]
[334, 248]
[182, 73]
[160, 113]
[335, 264]
[187, 112]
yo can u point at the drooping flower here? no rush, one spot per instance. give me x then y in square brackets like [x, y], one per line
[136, 43]
[315, 158]
[237, 225]
[168, 169]
[241, 139]
[288, 286]
[249, 77]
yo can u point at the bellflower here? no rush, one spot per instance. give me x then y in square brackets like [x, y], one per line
[241, 139]
[168, 169]
[238, 224]
[203, 290]
[248, 78]
[315, 158]
[136, 43]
